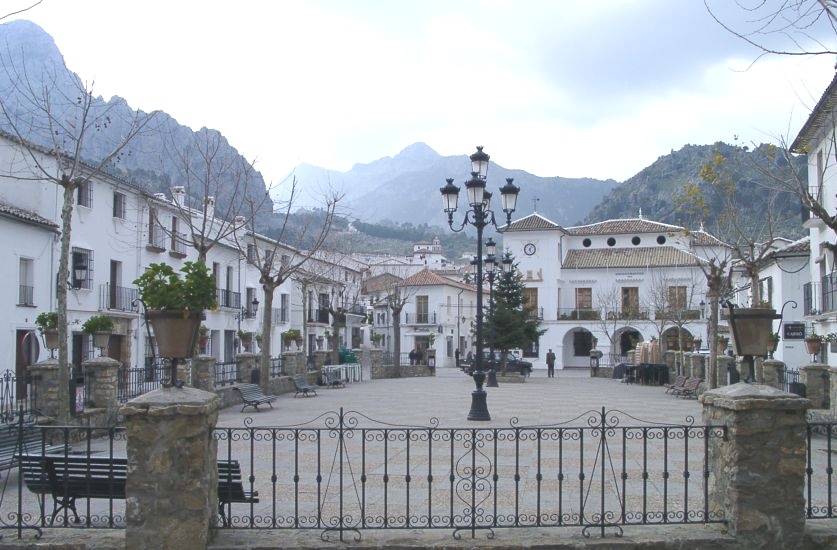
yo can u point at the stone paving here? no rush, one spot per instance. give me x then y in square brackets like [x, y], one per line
[447, 396]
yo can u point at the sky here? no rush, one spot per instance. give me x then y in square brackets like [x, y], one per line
[554, 87]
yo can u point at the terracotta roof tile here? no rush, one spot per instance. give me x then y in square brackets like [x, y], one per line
[649, 256]
[532, 222]
[632, 225]
[25, 215]
[425, 277]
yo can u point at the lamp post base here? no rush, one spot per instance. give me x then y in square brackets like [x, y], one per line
[491, 380]
[479, 407]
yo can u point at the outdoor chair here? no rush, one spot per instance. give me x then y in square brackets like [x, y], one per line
[677, 384]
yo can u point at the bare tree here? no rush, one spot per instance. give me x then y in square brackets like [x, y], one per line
[610, 319]
[278, 262]
[790, 27]
[59, 130]
[674, 303]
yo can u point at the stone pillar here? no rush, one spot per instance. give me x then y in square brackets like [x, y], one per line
[815, 376]
[773, 373]
[246, 364]
[172, 488]
[724, 363]
[758, 470]
[50, 401]
[103, 385]
[320, 357]
[203, 372]
[377, 359]
[670, 359]
[698, 365]
[759, 369]
[833, 396]
[184, 372]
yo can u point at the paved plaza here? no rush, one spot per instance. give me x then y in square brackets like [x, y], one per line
[447, 396]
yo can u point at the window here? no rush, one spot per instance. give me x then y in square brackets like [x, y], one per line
[156, 239]
[636, 240]
[630, 300]
[84, 194]
[661, 239]
[250, 294]
[251, 253]
[82, 257]
[284, 304]
[530, 299]
[611, 241]
[26, 282]
[766, 290]
[322, 312]
[586, 243]
[677, 297]
[584, 298]
[582, 343]
[422, 309]
[119, 205]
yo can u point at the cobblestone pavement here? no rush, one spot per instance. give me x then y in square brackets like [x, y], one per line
[447, 396]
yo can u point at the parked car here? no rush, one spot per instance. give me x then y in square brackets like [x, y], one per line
[513, 363]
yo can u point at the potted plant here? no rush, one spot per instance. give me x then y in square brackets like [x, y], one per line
[376, 339]
[203, 334]
[721, 342]
[292, 335]
[246, 339]
[100, 327]
[773, 342]
[813, 342]
[174, 305]
[47, 322]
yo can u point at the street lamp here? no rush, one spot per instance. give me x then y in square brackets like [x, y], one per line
[480, 216]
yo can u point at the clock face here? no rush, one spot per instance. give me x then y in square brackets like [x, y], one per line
[529, 249]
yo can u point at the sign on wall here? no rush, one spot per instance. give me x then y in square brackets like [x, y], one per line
[793, 331]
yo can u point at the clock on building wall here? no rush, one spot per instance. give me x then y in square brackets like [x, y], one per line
[529, 249]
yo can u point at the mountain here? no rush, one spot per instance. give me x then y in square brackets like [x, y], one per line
[657, 190]
[405, 188]
[154, 159]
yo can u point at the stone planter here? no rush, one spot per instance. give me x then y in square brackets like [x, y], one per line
[176, 332]
[51, 339]
[101, 339]
[751, 327]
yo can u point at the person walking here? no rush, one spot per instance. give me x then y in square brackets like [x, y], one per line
[550, 364]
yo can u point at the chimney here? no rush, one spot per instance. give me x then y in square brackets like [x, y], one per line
[209, 207]
[160, 196]
[178, 194]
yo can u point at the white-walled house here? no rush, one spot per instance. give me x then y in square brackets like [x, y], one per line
[618, 281]
[817, 140]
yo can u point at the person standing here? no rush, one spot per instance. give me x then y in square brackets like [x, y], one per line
[456, 356]
[550, 364]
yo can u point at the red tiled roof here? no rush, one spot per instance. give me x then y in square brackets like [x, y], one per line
[632, 225]
[425, 277]
[532, 222]
[649, 256]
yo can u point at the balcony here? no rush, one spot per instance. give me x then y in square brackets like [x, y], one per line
[829, 293]
[628, 314]
[420, 318]
[579, 314]
[26, 296]
[118, 298]
[229, 299]
[677, 314]
[156, 239]
[178, 245]
[809, 294]
[318, 316]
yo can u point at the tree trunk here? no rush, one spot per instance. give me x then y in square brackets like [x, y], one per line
[267, 326]
[61, 293]
[396, 336]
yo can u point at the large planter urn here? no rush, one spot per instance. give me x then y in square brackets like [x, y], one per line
[750, 328]
[51, 339]
[176, 331]
[101, 339]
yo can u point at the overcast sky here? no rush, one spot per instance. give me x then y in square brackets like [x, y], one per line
[556, 88]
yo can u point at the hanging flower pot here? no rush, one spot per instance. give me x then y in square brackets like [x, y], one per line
[176, 332]
[101, 339]
[813, 344]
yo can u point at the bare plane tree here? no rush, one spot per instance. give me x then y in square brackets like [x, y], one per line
[56, 129]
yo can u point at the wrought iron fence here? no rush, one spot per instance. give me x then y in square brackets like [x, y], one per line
[93, 496]
[275, 367]
[136, 381]
[16, 395]
[337, 475]
[819, 472]
[788, 377]
[226, 373]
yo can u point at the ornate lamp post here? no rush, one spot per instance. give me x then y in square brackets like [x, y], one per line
[480, 216]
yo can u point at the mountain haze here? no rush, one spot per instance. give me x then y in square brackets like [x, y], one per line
[405, 188]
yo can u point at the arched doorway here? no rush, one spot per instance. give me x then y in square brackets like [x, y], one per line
[677, 339]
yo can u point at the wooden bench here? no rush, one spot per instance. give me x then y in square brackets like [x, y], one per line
[303, 387]
[70, 477]
[678, 383]
[12, 444]
[252, 396]
[689, 389]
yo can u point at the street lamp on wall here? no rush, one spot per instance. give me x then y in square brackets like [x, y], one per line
[480, 216]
